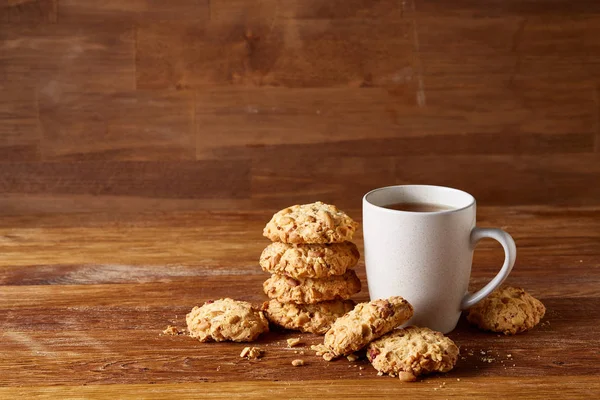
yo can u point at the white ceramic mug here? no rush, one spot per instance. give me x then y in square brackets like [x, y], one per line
[426, 257]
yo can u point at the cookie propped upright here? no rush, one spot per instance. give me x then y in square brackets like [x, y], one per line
[310, 223]
[365, 323]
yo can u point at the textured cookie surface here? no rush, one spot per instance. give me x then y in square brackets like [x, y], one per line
[309, 260]
[410, 352]
[226, 319]
[310, 223]
[311, 290]
[509, 310]
[365, 323]
[314, 318]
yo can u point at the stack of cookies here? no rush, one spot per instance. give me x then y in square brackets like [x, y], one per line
[311, 261]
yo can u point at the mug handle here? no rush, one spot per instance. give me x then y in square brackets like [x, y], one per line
[510, 254]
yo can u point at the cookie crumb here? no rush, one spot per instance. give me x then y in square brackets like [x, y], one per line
[251, 353]
[352, 357]
[298, 362]
[379, 373]
[457, 379]
[171, 331]
[292, 342]
[406, 376]
[361, 367]
[322, 350]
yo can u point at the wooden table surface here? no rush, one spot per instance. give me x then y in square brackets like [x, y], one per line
[144, 145]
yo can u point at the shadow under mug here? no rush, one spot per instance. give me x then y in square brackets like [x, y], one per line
[426, 257]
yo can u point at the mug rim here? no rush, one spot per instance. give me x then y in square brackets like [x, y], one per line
[472, 201]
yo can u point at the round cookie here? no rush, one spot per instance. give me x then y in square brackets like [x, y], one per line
[365, 323]
[309, 291]
[412, 351]
[226, 319]
[310, 223]
[508, 310]
[313, 318]
[309, 260]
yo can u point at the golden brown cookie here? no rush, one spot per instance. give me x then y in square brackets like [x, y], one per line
[309, 260]
[226, 319]
[309, 291]
[314, 318]
[412, 351]
[365, 323]
[310, 223]
[509, 310]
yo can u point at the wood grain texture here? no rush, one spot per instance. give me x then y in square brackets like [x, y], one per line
[273, 52]
[28, 11]
[118, 125]
[56, 58]
[19, 124]
[144, 144]
[573, 387]
[133, 10]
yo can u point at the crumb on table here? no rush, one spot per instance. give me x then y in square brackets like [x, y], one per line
[292, 342]
[171, 330]
[298, 363]
[251, 353]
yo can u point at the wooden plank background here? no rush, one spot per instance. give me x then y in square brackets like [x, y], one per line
[144, 143]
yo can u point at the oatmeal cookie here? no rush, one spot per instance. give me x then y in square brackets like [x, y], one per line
[226, 319]
[508, 310]
[309, 291]
[412, 351]
[314, 318]
[309, 260]
[310, 223]
[365, 323]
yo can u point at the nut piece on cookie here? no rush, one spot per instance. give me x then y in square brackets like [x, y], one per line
[313, 318]
[365, 323]
[226, 319]
[310, 223]
[509, 310]
[309, 291]
[309, 260]
[412, 351]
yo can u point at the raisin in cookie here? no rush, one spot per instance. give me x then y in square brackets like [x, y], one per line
[309, 260]
[310, 223]
[309, 291]
[365, 323]
[410, 352]
[226, 319]
[313, 318]
[509, 310]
